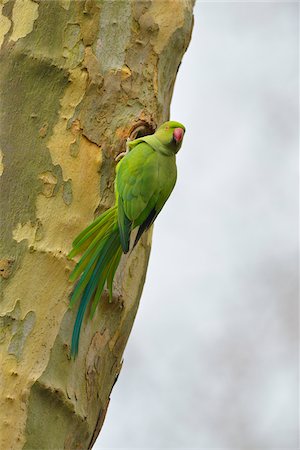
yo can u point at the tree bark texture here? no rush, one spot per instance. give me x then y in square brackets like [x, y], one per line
[77, 78]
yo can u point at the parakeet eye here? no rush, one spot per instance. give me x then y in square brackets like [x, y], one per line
[178, 134]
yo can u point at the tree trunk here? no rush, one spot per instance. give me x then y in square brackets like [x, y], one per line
[77, 78]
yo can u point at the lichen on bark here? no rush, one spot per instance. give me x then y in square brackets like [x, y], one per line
[77, 78]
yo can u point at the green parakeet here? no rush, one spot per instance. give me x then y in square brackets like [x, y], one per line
[145, 178]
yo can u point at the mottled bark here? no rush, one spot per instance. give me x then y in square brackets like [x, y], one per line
[77, 78]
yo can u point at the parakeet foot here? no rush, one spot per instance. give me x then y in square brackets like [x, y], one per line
[122, 154]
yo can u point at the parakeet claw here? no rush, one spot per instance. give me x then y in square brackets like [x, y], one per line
[122, 154]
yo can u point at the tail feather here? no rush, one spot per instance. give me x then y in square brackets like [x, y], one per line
[102, 245]
[77, 326]
[87, 236]
[102, 218]
[104, 269]
[84, 279]
[94, 248]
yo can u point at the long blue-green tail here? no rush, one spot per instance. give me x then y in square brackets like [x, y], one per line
[101, 248]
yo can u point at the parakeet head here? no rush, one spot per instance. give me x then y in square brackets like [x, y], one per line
[171, 135]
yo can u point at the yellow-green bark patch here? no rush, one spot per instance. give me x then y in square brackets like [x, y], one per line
[5, 23]
[25, 12]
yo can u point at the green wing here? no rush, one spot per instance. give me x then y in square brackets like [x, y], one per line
[144, 182]
[136, 186]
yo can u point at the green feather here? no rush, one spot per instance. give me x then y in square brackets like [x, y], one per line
[102, 275]
[98, 243]
[102, 218]
[87, 236]
[124, 227]
[96, 278]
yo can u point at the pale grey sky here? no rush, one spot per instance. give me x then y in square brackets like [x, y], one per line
[212, 361]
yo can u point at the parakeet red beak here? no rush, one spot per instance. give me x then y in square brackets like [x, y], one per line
[178, 134]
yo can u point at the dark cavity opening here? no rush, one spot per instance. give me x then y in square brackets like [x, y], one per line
[141, 129]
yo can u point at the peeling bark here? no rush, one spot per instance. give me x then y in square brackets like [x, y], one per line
[77, 78]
